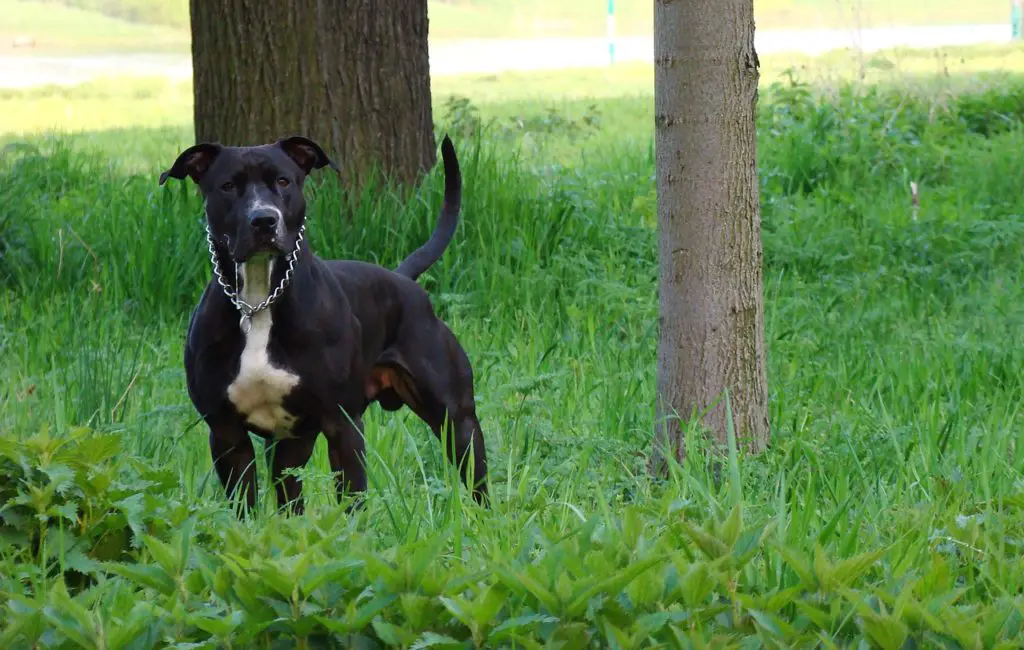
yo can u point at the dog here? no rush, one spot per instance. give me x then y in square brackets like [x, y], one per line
[287, 346]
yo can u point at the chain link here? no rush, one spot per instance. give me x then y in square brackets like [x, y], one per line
[247, 310]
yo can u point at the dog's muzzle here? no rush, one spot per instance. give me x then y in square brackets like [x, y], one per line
[265, 221]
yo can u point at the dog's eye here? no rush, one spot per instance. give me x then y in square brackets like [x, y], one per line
[283, 182]
[227, 187]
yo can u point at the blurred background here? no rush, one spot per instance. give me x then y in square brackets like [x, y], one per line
[65, 42]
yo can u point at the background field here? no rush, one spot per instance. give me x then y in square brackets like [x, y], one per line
[889, 504]
[78, 26]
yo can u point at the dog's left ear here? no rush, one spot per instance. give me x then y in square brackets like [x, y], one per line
[307, 154]
[193, 162]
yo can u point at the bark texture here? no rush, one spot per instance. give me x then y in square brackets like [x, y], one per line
[352, 75]
[710, 278]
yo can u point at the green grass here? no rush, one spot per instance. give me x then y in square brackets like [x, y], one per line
[120, 103]
[887, 508]
[58, 29]
[83, 26]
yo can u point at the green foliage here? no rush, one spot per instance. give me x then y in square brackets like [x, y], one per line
[71, 501]
[643, 575]
[886, 514]
[463, 119]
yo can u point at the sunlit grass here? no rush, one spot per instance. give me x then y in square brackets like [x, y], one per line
[133, 102]
[887, 507]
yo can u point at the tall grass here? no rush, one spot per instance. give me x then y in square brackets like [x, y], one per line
[886, 513]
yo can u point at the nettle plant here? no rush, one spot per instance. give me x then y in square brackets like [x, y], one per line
[99, 554]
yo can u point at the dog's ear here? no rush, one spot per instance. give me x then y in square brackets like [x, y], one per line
[193, 162]
[307, 154]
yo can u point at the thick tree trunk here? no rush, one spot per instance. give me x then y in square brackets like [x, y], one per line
[354, 76]
[710, 284]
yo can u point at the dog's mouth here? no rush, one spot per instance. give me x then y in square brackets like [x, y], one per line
[264, 243]
[259, 244]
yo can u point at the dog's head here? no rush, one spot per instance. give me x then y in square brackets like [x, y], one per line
[253, 195]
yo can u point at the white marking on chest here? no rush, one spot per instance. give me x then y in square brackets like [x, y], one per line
[259, 390]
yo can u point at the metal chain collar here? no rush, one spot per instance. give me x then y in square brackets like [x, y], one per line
[247, 310]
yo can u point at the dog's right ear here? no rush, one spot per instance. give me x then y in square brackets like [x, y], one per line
[193, 162]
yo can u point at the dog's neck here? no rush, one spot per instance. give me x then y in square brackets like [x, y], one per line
[255, 276]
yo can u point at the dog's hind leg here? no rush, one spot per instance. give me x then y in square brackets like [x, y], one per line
[285, 454]
[234, 460]
[459, 432]
[346, 450]
[433, 377]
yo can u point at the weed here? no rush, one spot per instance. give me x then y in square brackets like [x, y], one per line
[887, 512]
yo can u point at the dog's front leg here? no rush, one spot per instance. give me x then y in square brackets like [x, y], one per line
[234, 461]
[285, 454]
[347, 452]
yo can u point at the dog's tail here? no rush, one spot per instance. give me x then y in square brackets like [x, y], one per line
[424, 257]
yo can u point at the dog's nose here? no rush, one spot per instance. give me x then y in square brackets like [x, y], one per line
[263, 219]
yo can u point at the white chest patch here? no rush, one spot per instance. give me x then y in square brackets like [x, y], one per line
[259, 390]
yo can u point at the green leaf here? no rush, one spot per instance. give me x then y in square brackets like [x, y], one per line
[418, 611]
[490, 604]
[425, 557]
[887, 631]
[516, 623]
[273, 575]
[697, 584]
[830, 526]
[77, 560]
[711, 546]
[359, 618]
[126, 631]
[457, 606]
[729, 531]
[735, 483]
[822, 568]
[612, 584]
[434, 640]
[70, 618]
[367, 611]
[617, 637]
[821, 619]
[391, 634]
[163, 554]
[772, 624]
[25, 620]
[67, 510]
[800, 566]
[329, 572]
[219, 626]
[749, 544]
[848, 571]
[523, 581]
[146, 575]
[61, 476]
[185, 543]
[783, 598]
[921, 617]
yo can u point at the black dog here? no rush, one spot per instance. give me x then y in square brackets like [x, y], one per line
[306, 345]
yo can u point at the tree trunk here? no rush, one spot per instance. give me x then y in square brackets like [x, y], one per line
[712, 304]
[354, 76]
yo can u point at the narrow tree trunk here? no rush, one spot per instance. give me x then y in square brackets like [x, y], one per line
[353, 75]
[710, 284]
